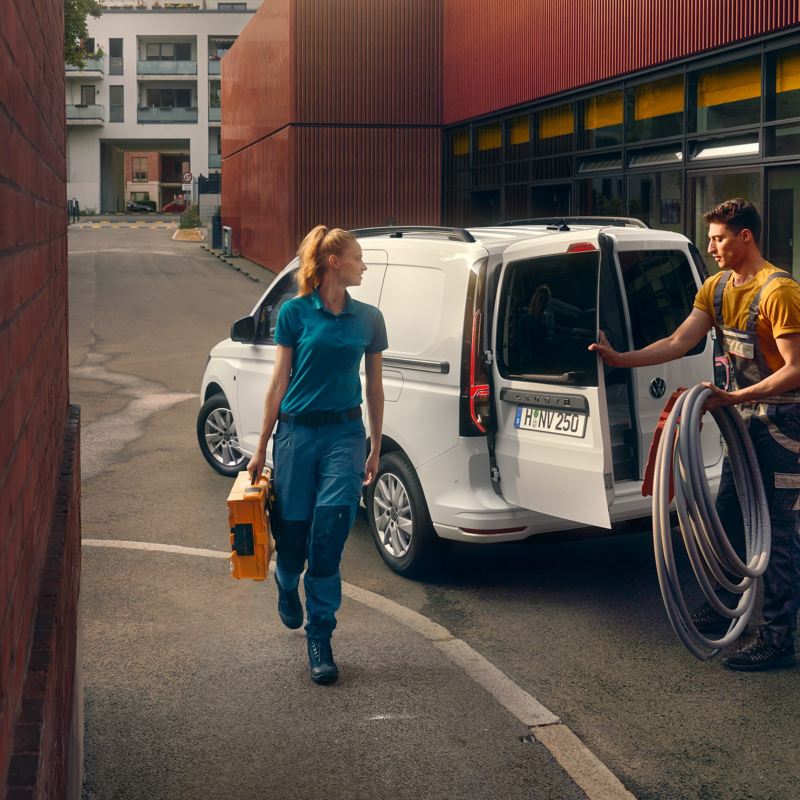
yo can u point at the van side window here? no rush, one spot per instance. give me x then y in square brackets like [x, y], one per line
[660, 288]
[548, 318]
[267, 315]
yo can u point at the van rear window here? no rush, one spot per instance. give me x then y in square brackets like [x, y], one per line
[547, 319]
[660, 288]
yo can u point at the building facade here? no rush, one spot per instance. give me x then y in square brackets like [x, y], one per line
[150, 84]
[647, 108]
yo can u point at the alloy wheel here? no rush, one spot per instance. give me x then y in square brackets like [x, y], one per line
[394, 521]
[221, 438]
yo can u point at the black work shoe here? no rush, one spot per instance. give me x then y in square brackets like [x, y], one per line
[290, 609]
[760, 655]
[709, 622]
[320, 659]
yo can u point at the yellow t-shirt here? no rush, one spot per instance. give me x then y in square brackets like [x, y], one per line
[778, 313]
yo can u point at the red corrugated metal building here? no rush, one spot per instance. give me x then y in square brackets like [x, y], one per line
[356, 113]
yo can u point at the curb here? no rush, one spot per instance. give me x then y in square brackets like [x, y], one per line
[232, 264]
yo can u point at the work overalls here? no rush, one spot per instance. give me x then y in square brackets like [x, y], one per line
[319, 470]
[774, 427]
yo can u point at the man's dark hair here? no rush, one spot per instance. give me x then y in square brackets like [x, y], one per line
[736, 214]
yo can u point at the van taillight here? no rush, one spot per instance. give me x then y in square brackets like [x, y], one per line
[581, 247]
[479, 397]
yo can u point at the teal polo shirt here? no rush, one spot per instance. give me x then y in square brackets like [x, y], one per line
[327, 351]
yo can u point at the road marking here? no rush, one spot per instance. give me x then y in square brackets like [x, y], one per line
[596, 780]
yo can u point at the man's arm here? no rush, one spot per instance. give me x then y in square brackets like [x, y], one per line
[276, 389]
[689, 333]
[786, 379]
[373, 367]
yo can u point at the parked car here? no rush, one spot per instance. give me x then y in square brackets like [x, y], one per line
[137, 207]
[499, 423]
[175, 207]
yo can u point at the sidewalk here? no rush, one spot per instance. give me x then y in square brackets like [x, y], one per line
[249, 269]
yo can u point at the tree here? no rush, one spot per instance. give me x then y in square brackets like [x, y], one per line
[75, 30]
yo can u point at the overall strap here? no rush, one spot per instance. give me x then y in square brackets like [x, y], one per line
[718, 290]
[754, 305]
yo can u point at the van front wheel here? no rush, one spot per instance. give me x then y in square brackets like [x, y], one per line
[399, 520]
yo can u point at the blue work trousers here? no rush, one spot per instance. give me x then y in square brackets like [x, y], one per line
[775, 432]
[318, 477]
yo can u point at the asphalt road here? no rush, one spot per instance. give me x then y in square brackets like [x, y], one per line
[183, 666]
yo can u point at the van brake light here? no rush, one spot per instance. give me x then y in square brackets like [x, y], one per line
[478, 392]
[581, 247]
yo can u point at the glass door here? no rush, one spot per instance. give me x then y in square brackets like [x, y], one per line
[783, 219]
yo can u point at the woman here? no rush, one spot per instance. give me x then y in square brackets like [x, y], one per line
[319, 446]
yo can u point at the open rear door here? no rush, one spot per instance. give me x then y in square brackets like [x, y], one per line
[552, 446]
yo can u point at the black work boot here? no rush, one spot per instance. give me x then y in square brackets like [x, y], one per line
[320, 660]
[709, 622]
[290, 609]
[760, 655]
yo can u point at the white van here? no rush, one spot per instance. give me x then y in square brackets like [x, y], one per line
[499, 422]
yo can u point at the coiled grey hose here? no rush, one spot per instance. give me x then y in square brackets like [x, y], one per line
[713, 560]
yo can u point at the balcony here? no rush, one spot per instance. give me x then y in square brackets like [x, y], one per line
[215, 67]
[166, 116]
[215, 161]
[214, 114]
[85, 115]
[169, 68]
[93, 67]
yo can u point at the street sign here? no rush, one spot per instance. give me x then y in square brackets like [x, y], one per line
[187, 187]
[187, 177]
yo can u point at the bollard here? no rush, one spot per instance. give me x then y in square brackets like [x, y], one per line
[226, 241]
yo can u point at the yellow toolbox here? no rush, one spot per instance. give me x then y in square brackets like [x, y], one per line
[248, 518]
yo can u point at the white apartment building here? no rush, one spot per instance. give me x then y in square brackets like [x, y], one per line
[152, 85]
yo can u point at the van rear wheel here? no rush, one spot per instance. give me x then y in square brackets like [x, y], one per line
[399, 519]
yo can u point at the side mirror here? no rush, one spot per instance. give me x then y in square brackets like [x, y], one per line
[244, 330]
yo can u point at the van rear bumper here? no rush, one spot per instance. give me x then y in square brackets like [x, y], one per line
[465, 507]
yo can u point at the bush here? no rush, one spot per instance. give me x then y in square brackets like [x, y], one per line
[191, 217]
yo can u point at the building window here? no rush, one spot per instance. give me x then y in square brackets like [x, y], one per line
[87, 95]
[726, 96]
[554, 128]
[116, 103]
[169, 98]
[600, 197]
[656, 199]
[168, 51]
[655, 110]
[519, 137]
[217, 48]
[784, 82]
[115, 62]
[139, 168]
[602, 120]
[232, 7]
[140, 197]
[214, 94]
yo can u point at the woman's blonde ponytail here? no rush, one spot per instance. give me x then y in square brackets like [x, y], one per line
[319, 243]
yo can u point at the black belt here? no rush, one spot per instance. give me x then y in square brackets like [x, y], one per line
[313, 419]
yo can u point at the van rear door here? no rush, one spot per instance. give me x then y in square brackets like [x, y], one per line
[552, 444]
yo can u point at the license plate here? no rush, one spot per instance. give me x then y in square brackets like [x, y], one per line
[550, 420]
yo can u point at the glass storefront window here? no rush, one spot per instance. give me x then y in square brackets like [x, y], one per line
[786, 84]
[550, 200]
[655, 110]
[656, 198]
[518, 132]
[726, 96]
[602, 120]
[783, 220]
[708, 190]
[555, 128]
[783, 140]
[488, 144]
[599, 197]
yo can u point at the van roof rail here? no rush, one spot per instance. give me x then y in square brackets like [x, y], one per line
[563, 223]
[397, 231]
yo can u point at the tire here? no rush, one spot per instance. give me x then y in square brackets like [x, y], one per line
[216, 435]
[399, 520]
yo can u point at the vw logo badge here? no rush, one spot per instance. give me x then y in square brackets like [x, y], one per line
[657, 387]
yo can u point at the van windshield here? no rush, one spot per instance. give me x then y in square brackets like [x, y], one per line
[548, 318]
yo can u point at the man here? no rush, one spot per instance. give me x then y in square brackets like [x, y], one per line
[756, 310]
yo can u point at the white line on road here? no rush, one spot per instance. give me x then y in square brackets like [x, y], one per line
[576, 759]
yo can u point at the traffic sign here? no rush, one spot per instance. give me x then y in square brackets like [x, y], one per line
[187, 177]
[187, 187]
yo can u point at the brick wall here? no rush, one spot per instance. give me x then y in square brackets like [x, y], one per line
[152, 166]
[38, 504]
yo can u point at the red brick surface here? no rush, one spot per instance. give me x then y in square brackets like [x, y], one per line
[39, 520]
